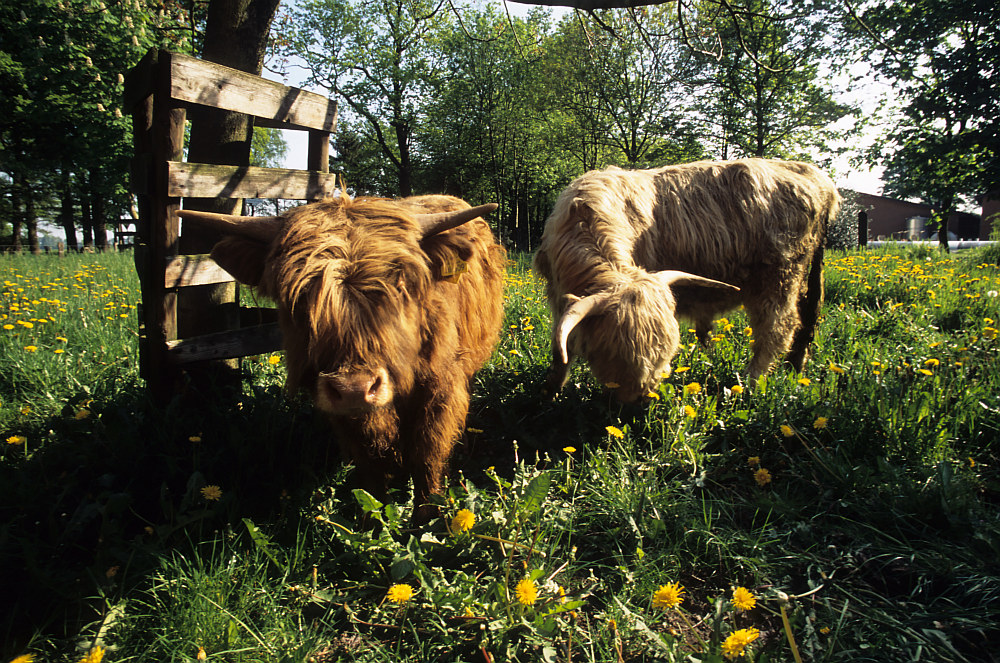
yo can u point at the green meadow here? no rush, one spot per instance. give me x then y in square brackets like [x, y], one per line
[845, 514]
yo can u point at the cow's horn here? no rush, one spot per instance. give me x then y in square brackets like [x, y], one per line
[574, 313]
[433, 224]
[674, 277]
[263, 228]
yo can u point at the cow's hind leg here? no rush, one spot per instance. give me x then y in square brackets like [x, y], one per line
[773, 324]
[809, 304]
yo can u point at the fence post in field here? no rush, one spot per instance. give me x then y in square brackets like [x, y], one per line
[158, 92]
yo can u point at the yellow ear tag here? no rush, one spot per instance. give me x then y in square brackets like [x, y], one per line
[450, 273]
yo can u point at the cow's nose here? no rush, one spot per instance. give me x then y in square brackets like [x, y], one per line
[359, 390]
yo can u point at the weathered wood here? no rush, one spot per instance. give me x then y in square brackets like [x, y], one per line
[226, 345]
[157, 92]
[319, 151]
[209, 84]
[140, 81]
[199, 180]
[184, 271]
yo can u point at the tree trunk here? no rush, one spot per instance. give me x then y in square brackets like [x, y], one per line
[66, 209]
[86, 216]
[17, 212]
[98, 211]
[31, 223]
[235, 36]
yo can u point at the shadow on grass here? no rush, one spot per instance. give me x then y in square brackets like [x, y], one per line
[114, 483]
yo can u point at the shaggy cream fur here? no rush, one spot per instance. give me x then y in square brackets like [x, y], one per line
[757, 224]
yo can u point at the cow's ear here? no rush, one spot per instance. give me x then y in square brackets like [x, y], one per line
[241, 257]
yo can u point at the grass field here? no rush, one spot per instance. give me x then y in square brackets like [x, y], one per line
[845, 514]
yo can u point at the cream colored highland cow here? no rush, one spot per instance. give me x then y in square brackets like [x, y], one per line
[625, 253]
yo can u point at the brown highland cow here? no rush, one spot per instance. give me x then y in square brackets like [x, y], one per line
[616, 238]
[387, 308]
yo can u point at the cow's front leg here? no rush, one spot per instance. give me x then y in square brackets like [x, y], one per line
[432, 439]
[557, 374]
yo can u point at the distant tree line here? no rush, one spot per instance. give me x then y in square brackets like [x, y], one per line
[436, 97]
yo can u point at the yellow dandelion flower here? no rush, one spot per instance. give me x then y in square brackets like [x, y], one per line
[690, 412]
[753, 461]
[804, 381]
[736, 643]
[736, 389]
[96, 655]
[989, 333]
[652, 394]
[399, 593]
[924, 371]
[201, 656]
[668, 596]
[762, 477]
[17, 440]
[274, 360]
[58, 351]
[824, 630]
[932, 362]
[463, 521]
[787, 430]
[614, 432]
[194, 438]
[836, 369]
[30, 348]
[569, 450]
[692, 388]
[8, 327]
[748, 331]
[526, 592]
[211, 493]
[743, 599]
[26, 410]
[820, 423]
[24, 658]
[682, 369]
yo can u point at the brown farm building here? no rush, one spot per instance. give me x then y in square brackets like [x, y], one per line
[888, 218]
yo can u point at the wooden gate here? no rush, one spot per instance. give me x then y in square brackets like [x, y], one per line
[158, 92]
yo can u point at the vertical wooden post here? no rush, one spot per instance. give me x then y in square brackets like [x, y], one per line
[158, 126]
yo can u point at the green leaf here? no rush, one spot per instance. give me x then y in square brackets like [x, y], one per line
[365, 500]
[534, 494]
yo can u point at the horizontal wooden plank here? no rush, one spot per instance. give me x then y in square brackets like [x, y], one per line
[226, 345]
[209, 84]
[183, 271]
[200, 180]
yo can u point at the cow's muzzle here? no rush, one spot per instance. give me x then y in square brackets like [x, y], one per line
[353, 392]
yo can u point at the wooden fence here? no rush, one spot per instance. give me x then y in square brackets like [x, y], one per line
[158, 92]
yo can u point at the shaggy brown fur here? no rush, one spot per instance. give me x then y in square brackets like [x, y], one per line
[379, 328]
[756, 224]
